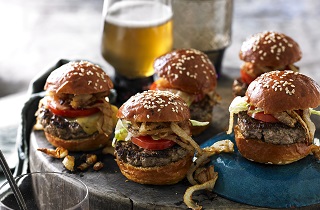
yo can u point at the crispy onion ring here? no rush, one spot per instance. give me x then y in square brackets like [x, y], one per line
[201, 177]
[305, 122]
[180, 143]
[105, 122]
[187, 198]
[315, 149]
[216, 148]
[231, 122]
[185, 137]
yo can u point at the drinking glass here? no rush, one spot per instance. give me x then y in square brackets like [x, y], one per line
[204, 25]
[47, 190]
[135, 32]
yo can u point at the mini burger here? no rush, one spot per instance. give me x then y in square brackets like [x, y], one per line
[153, 143]
[75, 113]
[190, 74]
[264, 52]
[274, 124]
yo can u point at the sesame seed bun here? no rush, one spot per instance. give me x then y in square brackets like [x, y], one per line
[154, 106]
[270, 49]
[78, 78]
[279, 91]
[263, 152]
[188, 70]
[159, 175]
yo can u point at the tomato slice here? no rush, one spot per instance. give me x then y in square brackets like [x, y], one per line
[147, 142]
[246, 78]
[153, 86]
[160, 84]
[73, 112]
[264, 117]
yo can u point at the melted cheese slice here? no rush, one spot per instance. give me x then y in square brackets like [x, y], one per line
[89, 123]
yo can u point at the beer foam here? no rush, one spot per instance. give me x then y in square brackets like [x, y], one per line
[138, 13]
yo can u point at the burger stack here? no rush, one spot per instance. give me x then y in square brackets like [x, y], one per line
[75, 113]
[190, 74]
[264, 52]
[274, 125]
[153, 143]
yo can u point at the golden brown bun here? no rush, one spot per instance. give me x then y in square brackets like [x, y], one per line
[270, 49]
[78, 78]
[279, 91]
[154, 106]
[263, 152]
[88, 144]
[159, 175]
[188, 70]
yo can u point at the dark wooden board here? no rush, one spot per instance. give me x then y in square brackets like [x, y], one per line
[109, 189]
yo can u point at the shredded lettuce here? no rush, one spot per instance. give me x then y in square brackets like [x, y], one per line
[238, 104]
[312, 111]
[198, 123]
[121, 132]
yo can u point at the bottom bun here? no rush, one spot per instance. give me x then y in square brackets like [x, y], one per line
[263, 152]
[87, 144]
[158, 175]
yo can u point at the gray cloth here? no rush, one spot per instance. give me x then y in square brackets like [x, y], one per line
[35, 93]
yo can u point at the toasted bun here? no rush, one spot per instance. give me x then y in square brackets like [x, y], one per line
[78, 78]
[88, 144]
[263, 152]
[279, 91]
[188, 70]
[159, 175]
[154, 106]
[270, 49]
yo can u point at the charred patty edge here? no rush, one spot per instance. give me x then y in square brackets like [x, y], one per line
[134, 155]
[61, 127]
[276, 133]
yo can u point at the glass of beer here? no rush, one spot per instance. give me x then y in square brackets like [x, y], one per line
[135, 32]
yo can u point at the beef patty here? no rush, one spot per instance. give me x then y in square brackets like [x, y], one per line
[137, 156]
[61, 127]
[276, 133]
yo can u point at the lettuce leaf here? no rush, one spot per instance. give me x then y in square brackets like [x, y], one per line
[238, 104]
[198, 123]
[312, 111]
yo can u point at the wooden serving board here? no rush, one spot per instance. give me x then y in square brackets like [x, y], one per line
[109, 189]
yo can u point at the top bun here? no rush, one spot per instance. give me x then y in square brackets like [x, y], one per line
[270, 49]
[188, 70]
[154, 106]
[278, 91]
[78, 78]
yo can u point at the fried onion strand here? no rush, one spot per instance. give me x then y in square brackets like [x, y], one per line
[187, 198]
[184, 136]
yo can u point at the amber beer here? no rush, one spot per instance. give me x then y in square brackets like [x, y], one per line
[134, 34]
